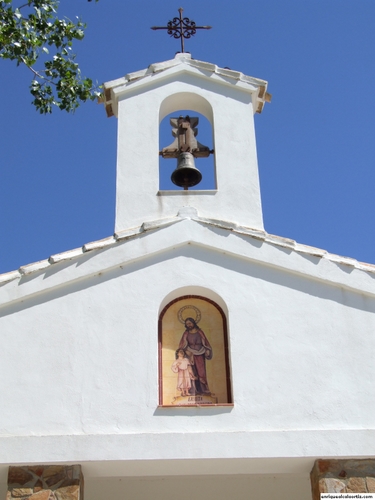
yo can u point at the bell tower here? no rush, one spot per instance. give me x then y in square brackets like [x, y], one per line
[228, 99]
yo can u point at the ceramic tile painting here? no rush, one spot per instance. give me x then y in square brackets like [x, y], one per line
[193, 357]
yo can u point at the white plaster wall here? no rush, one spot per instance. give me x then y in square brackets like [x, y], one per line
[86, 360]
[230, 111]
[240, 487]
[78, 362]
[208, 487]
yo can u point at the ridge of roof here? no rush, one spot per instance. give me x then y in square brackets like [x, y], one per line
[179, 59]
[185, 59]
[183, 214]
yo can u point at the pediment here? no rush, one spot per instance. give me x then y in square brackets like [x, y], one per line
[159, 73]
[223, 243]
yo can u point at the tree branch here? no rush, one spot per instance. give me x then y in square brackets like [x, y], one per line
[38, 74]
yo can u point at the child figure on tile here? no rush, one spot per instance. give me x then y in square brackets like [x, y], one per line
[185, 373]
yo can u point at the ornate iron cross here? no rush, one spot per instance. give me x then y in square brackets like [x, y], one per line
[181, 27]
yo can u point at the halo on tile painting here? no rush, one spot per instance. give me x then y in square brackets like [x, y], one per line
[193, 353]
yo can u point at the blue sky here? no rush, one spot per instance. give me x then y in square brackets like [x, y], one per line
[316, 144]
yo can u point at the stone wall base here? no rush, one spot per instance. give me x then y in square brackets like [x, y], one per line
[342, 476]
[45, 482]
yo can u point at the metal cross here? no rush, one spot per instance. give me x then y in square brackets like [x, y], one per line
[181, 27]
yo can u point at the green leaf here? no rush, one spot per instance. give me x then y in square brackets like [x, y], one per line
[24, 37]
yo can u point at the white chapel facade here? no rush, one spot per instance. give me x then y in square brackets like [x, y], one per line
[191, 353]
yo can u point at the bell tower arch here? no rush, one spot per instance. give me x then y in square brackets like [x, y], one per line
[187, 144]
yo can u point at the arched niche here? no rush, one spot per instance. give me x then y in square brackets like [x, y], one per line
[194, 290]
[194, 365]
[191, 104]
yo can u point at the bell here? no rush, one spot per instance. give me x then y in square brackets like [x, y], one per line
[186, 174]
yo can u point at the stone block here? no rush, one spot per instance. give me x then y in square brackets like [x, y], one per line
[43, 495]
[19, 476]
[37, 469]
[323, 486]
[352, 467]
[68, 493]
[370, 483]
[332, 485]
[22, 492]
[356, 485]
[54, 476]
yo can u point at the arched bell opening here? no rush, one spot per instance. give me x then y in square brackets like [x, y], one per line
[186, 144]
